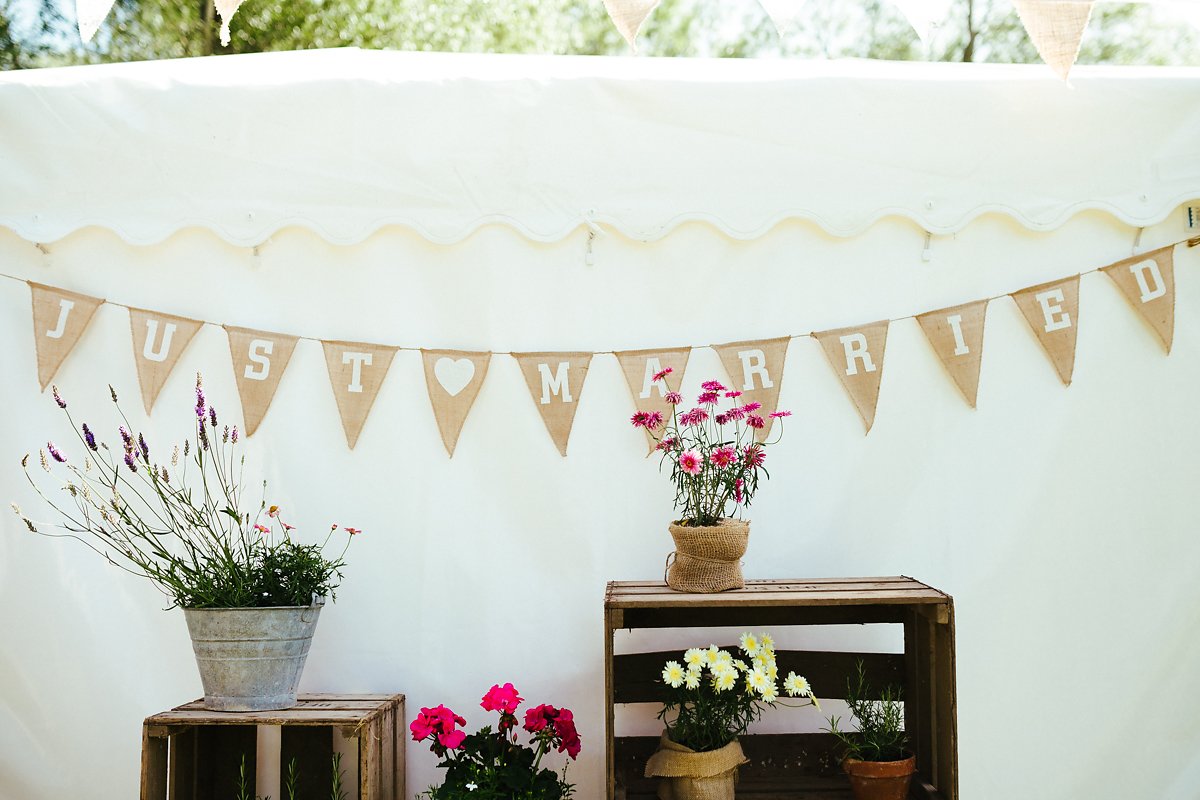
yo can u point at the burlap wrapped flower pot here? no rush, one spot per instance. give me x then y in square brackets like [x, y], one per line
[687, 775]
[708, 558]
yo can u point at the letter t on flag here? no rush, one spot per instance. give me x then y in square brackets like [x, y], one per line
[555, 382]
[356, 371]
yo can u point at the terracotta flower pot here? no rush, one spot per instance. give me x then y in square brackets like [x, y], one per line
[708, 558]
[880, 780]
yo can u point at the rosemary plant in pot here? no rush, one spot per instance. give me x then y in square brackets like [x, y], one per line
[250, 589]
[877, 760]
[712, 698]
[716, 466]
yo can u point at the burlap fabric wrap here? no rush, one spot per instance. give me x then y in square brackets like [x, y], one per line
[708, 558]
[688, 775]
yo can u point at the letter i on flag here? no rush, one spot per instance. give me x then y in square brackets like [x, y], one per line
[59, 319]
[356, 371]
[856, 355]
[555, 382]
[957, 337]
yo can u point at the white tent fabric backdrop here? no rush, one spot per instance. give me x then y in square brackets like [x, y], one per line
[1061, 519]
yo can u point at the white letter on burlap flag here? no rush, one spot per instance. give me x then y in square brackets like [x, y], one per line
[628, 16]
[259, 359]
[957, 337]
[640, 367]
[59, 319]
[1148, 281]
[1056, 29]
[356, 371]
[856, 355]
[1052, 310]
[555, 382]
[158, 342]
[453, 379]
[783, 13]
[755, 369]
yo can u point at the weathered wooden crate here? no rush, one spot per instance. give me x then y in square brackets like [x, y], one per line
[796, 766]
[195, 754]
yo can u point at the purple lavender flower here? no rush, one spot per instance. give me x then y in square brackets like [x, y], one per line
[145, 448]
[58, 398]
[212, 416]
[202, 436]
[199, 401]
[233, 435]
[57, 456]
[126, 438]
[165, 475]
[129, 462]
[113, 392]
[225, 434]
[89, 437]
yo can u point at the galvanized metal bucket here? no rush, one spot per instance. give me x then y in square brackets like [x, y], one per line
[250, 659]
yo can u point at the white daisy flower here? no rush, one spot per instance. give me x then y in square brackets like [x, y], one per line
[770, 693]
[713, 653]
[750, 644]
[673, 674]
[767, 642]
[692, 680]
[696, 657]
[724, 680]
[741, 666]
[796, 686]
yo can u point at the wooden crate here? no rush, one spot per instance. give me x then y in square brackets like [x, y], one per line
[796, 766]
[195, 754]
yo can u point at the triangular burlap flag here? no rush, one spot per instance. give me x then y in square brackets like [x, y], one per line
[555, 382]
[259, 360]
[640, 366]
[628, 16]
[755, 369]
[1056, 29]
[59, 319]
[158, 342]
[1148, 281]
[1052, 310]
[856, 355]
[356, 371]
[453, 379]
[783, 13]
[956, 334]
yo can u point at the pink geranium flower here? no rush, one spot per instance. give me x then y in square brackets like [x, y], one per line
[502, 698]
[691, 462]
[723, 456]
[451, 740]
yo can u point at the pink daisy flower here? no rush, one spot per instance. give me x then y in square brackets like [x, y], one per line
[674, 398]
[707, 399]
[736, 413]
[722, 419]
[755, 454]
[693, 417]
[723, 456]
[654, 420]
[667, 443]
[733, 394]
[712, 386]
[691, 462]
[780, 414]
[755, 421]
[737, 491]
[750, 408]
[261, 528]
[662, 373]
[640, 419]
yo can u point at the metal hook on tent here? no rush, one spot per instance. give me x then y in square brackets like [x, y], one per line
[927, 252]
[594, 230]
[44, 250]
[1137, 241]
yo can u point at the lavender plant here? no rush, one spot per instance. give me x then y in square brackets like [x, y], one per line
[182, 522]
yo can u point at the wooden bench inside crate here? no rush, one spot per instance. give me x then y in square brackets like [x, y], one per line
[795, 766]
[195, 754]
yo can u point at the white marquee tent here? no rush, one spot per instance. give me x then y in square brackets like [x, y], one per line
[527, 203]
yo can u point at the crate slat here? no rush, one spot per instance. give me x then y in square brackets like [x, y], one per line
[758, 616]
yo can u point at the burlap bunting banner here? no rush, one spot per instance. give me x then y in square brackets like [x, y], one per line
[555, 382]
[856, 355]
[59, 319]
[755, 369]
[1052, 310]
[628, 16]
[259, 360]
[453, 379]
[640, 366]
[1148, 282]
[956, 334]
[1056, 29]
[356, 371]
[158, 342]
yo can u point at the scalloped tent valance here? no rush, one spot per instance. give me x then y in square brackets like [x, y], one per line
[346, 141]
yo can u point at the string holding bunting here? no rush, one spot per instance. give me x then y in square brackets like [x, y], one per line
[1052, 311]
[158, 342]
[956, 334]
[1148, 282]
[356, 372]
[453, 379]
[640, 367]
[856, 355]
[259, 360]
[59, 319]
[755, 369]
[555, 382]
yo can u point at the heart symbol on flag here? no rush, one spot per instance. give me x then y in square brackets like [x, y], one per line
[454, 375]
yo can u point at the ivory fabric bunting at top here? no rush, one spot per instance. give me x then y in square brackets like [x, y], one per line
[956, 334]
[1148, 282]
[755, 369]
[555, 382]
[59, 319]
[356, 371]
[640, 367]
[453, 379]
[1056, 29]
[1052, 310]
[856, 355]
[90, 14]
[259, 360]
[783, 13]
[158, 342]
[628, 16]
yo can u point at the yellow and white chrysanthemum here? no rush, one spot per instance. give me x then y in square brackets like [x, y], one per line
[713, 652]
[767, 643]
[692, 679]
[750, 644]
[797, 686]
[770, 693]
[741, 666]
[724, 680]
[696, 657]
[757, 680]
[673, 674]
[723, 657]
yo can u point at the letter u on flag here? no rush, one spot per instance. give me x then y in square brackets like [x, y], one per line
[1052, 310]
[259, 359]
[59, 319]
[856, 355]
[755, 369]
[1148, 282]
[356, 371]
[555, 382]
[158, 342]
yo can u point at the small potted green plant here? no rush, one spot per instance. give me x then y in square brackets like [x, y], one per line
[877, 759]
